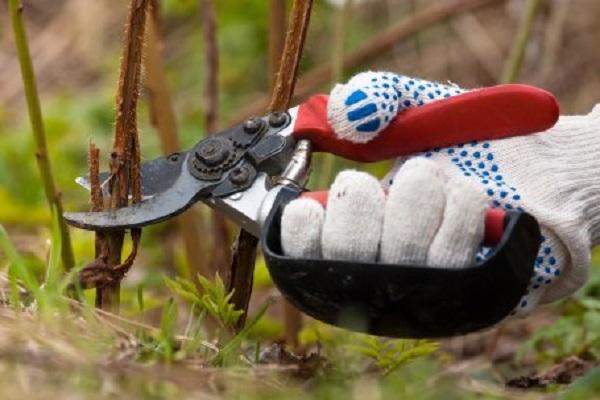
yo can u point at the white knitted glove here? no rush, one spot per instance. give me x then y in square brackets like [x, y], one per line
[551, 175]
[361, 224]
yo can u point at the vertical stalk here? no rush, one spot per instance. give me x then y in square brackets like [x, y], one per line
[163, 118]
[277, 19]
[280, 101]
[292, 52]
[125, 157]
[37, 126]
[512, 68]
[220, 249]
[244, 253]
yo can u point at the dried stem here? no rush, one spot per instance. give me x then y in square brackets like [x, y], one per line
[96, 198]
[125, 157]
[244, 248]
[220, 234]
[244, 255]
[37, 125]
[512, 68]
[292, 317]
[292, 52]
[368, 52]
[242, 273]
[163, 118]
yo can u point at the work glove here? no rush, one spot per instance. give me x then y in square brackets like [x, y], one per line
[433, 213]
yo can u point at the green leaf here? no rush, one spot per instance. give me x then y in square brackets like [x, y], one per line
[167, 329]
[226, 352]
[140, 297]
[54, 269]
[17, 267]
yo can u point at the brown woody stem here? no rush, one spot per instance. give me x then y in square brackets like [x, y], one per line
[125, 157]
[244, 255]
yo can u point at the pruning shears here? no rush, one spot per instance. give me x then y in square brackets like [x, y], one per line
[251, 171]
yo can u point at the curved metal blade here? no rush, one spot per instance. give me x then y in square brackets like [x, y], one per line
[171, 201]
[157, 175]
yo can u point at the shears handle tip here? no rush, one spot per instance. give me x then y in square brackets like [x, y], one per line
[483, 114]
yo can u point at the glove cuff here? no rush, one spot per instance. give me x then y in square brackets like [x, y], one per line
[558, 175]
[553, 175]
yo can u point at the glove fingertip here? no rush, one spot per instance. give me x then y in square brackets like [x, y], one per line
[301, 227]
[421, 166]
[354, 218]
[359, 110]
[413, 212]
[461, 232]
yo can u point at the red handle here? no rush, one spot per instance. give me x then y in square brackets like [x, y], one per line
[494, 218]
[483, 114]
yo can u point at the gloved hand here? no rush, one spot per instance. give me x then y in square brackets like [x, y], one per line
[433, 214]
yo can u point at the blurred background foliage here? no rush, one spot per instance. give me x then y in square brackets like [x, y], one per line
[75, 46]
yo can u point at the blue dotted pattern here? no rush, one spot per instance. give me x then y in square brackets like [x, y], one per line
[379, 96]
[475, 159]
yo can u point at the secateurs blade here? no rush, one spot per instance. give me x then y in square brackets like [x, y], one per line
[251, 171]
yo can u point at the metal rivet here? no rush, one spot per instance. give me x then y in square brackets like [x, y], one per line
[277, 119]
[212, 153]
[239, 175]
[252, 126]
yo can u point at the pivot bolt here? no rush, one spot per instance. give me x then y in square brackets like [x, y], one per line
[252, 126]
[212, 153]
[277, 119]
[239, 175]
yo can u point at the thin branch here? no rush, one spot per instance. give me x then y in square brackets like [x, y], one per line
[37, 125]
[162, 116]
[512, 68]
[244, 254]
[241, 277]
[277, 35]
[96, 200]
[371, 49]
[96, 197]
[243, 259]
[292, 52]
[125, 158]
